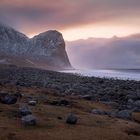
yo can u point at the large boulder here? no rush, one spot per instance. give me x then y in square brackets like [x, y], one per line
[29, 120]
[71, 119]
[24, 110]
[124, 114]
[8, 99]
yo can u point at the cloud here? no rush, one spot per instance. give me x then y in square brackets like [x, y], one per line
[34, 15]
[105, 53]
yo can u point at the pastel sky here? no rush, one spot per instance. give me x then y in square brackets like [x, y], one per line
[76, 19]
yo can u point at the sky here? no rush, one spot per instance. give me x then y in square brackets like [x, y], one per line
[122, 53]
[75, 19]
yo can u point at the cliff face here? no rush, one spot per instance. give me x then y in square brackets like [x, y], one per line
[47, 50]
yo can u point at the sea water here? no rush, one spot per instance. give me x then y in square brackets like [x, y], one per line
[124, 74]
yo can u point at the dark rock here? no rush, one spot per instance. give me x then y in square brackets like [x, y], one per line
[54, 102]
[18, 95]
[29, 120]
[114, 104]
[71, 119]
[124, 114]
[138, 93]
[62, 102]
[137, 103]
[24, 110]
[9, 99]
[130, 101]
[59, 118]
[99, 112]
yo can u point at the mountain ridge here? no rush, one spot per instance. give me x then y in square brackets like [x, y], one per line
[44, 50]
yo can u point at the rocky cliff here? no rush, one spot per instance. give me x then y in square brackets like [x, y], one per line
[46, 50]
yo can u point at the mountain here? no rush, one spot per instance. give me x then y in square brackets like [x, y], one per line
[46, 50]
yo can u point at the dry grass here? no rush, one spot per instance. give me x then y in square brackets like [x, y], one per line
[49, 127]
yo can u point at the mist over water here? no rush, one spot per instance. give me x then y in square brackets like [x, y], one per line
[127, 74]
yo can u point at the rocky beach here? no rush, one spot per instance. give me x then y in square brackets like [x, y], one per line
[69, 106]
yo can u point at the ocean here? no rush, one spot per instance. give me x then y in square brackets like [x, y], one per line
[124, 74]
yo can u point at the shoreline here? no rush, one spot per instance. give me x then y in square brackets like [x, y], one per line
[105, 108]
[101, 89]
[106, 74]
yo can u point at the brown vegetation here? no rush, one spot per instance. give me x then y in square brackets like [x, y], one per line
[51, 127]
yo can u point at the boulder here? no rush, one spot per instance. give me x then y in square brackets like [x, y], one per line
[137, 103]
[99, 112]
[32, 103]
[124, 114]
[62, 102]
[138, 94]
[24, 110]
[29, 120]
[9, 99]
[71, 119]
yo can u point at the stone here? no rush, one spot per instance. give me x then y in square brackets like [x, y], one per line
[62, 102]
[29, 120]
[137, 103]
[71, 119]
[130, 101]
[124, 114]
[24, 110]
[138, 94]
[114, 104]
[98, 111]
[32, 103]
[18, 95]
[9, 99]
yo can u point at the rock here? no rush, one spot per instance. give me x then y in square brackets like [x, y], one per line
[71, 119]
[130, 101]
[29, 120]
[87, 97]
[137, 103]
[124, 114]
[54, 102]
[32, 103]
[9, 99]
[131, 96]
[59, 118]
[99, 112]
[112, 114]
[114, 104]
[62, 102]
[18, 95]
[45, 49]
[138, 94]
[24, 110]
